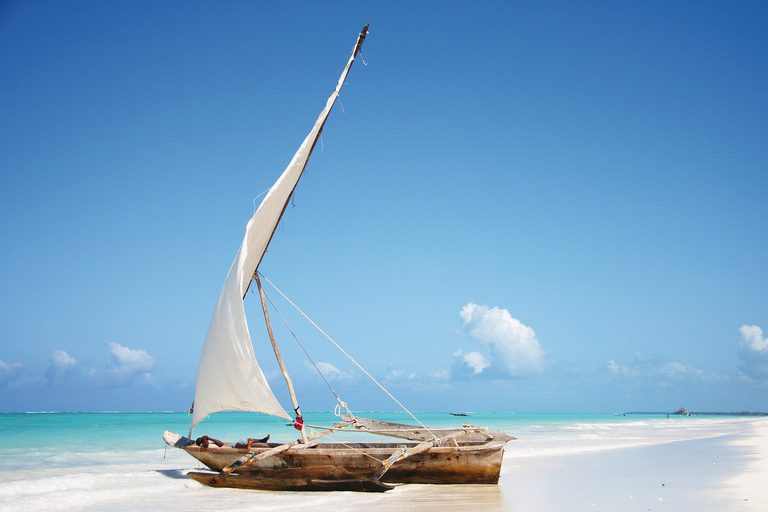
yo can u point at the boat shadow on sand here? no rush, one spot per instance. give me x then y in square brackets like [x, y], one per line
[489, 497]
[173, 473]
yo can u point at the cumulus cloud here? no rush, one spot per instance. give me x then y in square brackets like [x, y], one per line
[752, 338]
[653, 368]
[475, 360]
[514, 349]
[753, 352]
[9, 371]
[62, 360]
[128, 365]
[396, 374]
[674, 369]
[616, 368]
[440, 374]
[64, 368]
[130, 360]
[330, 372]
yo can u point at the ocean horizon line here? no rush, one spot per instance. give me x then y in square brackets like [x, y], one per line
[455, 413]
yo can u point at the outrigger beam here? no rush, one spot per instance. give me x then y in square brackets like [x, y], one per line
[404, 453]
[248, 457]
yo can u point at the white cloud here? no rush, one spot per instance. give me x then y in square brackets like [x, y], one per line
[62, 360]
[440, 374]
[474, 360]
[63, 368]
[513, 345]
[130, 360]
[642, 369]
[396, 374]
[330, 372]
[128, 365]
[752, 338]
[674, 369]
[9, 371]
[753, 352]
[617, 368]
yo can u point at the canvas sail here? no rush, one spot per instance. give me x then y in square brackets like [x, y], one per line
[229, 378]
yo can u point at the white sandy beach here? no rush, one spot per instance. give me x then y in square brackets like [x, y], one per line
[692, 464]
[726, 472]
[718, 473]
[749, 483]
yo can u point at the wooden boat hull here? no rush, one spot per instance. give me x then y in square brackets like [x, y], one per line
[462, 463]
[238, 481]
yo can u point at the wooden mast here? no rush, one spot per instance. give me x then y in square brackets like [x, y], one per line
[279, 358]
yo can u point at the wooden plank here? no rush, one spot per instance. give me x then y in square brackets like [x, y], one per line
[414, 433]
[280, 362]
[286, 484]
[422, 447]
[248, 457]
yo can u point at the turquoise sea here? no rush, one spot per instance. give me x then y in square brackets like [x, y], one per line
[119, 462]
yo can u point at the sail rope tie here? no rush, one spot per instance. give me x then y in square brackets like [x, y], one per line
[399, 454]
[302, 346]
[339, 406]
[348, 356]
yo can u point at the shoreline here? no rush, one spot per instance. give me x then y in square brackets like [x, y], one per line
[715, 472]
[707, 474]
[658, 464]
[719, 471]
[749, 484]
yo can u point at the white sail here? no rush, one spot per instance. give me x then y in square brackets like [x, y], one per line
[229, 378]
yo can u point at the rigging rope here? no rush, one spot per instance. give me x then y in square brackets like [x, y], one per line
[341, 402]
[348, 356]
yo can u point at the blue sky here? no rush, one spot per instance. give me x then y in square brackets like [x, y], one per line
[517, 206]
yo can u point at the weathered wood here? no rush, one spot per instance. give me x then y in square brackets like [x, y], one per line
[405, 453]
[414, 433]
[280, 362]
[467, 463]
[287, 484]
[251, 456]
[386, 428]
